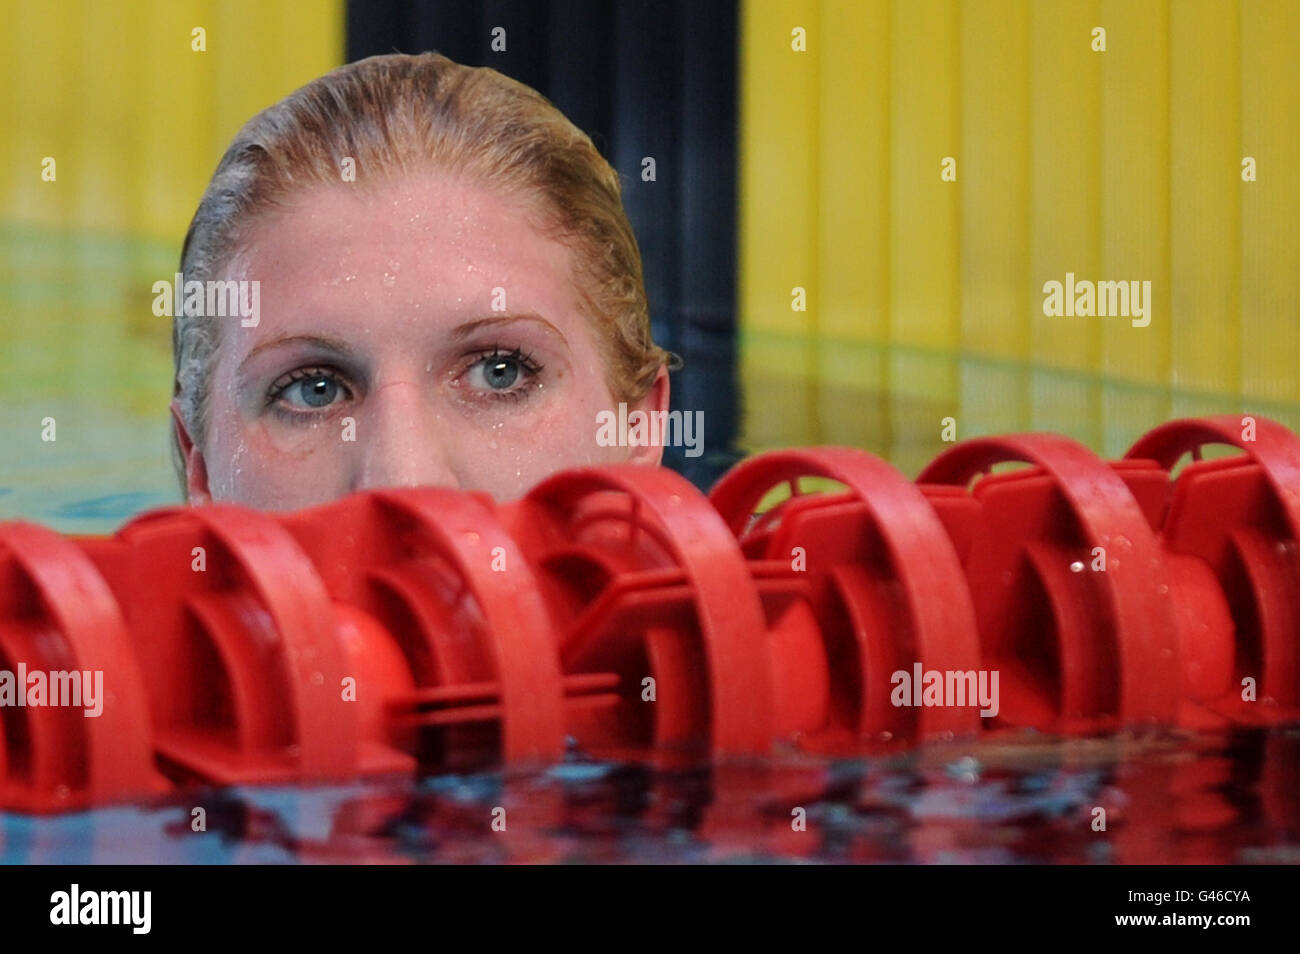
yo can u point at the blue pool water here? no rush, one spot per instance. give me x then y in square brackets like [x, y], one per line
[1169, 798]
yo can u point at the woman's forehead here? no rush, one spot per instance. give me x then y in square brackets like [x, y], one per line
[427, 250]
[445, 229]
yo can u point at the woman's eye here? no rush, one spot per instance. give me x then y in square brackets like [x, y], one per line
[308, 389]
[499, 373]
[315, 392]
[503, 373]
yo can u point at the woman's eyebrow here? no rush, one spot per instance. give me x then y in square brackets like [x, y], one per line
[324, 342]
[463, 331]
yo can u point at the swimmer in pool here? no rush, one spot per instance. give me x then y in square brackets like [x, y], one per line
[450, 294]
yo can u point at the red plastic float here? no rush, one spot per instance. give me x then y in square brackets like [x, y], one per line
[620, 610]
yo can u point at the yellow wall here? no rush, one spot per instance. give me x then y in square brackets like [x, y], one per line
[136, 122]
[134, 117]
[925, 297]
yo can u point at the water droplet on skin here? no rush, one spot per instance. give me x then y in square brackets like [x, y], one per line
[1076, 566]
[389, 280]
[492, 445]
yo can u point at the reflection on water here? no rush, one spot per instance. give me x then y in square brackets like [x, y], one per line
[84, 361]
[893, 400]
[1172, 798]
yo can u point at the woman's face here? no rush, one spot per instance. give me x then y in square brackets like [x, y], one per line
[423, 333]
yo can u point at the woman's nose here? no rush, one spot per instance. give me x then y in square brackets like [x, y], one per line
[401, 441]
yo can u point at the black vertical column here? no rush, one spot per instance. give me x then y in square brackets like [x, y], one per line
[451, 27]
[580, 65]
[647, 71]
[706, 231]
[643, 79]
[380, 26]
[527, 53]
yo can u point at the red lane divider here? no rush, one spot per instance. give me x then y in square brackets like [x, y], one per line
[1069, 536]
[1240, 516]
[654, 574]
[886, 585]
[621, 610]
[58, 616]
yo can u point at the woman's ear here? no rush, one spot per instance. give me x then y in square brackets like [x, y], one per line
[196, 469]
[655, 400]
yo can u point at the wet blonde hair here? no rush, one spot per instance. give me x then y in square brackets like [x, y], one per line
[400, 114]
